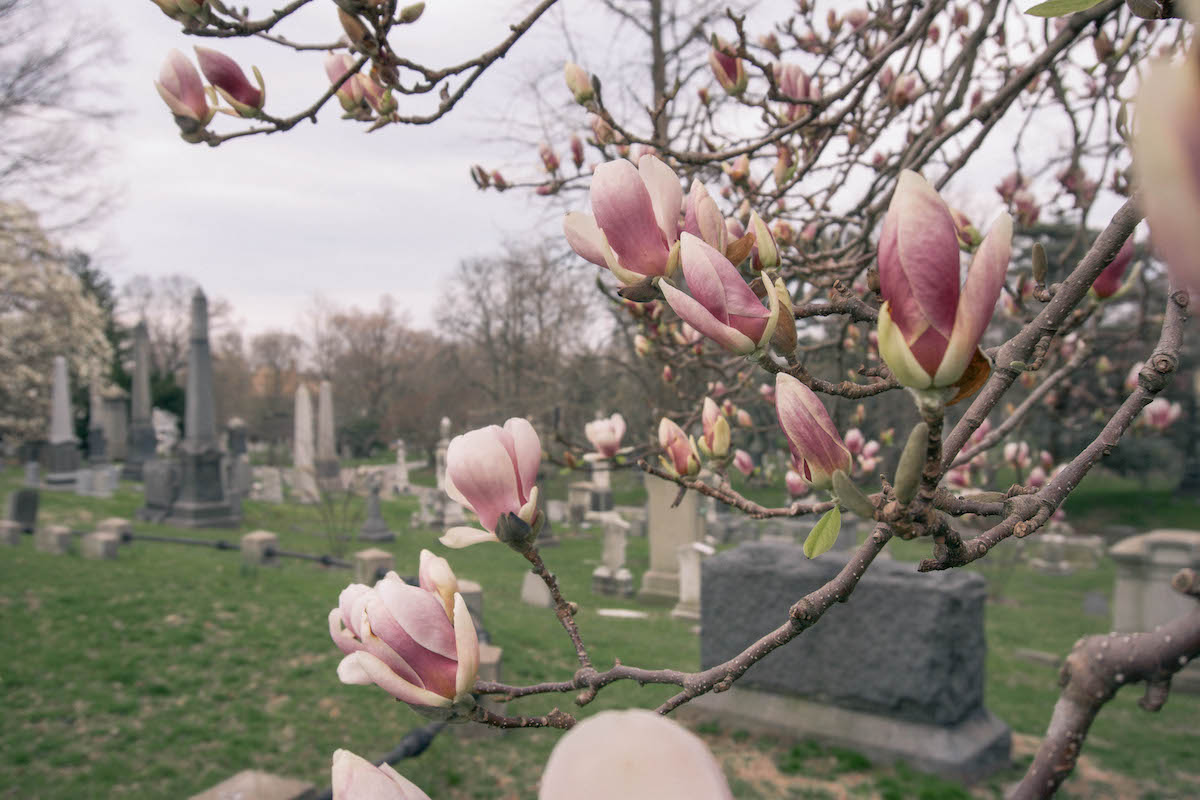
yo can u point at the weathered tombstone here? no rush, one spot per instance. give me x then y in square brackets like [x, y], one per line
[23, 509]
[534, 591]
[372, 564]
[690, 556]
[472, 595]
[99, 545]
[327, 460]
[83, 481]
[202, 500]
[258, 549]
[443, 445]
[1143, 598]
[579, 502]
[612, 576]
[235, 436]
[272, 485]
[400, 471]
[117, 525]
[62, 453]
[166, 432]
[304, 474]
[10, 532]
[895, 673]
[431, 512]
[602, 496]
[97, 442]
[160, 483]
[143, 442]
[114, 420]
[33, 476]
[53, 539]
[374, 529]
[251, 784]
[667, 529]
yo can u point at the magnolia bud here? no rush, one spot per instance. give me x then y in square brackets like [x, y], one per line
[851, 496]
[911, 464]
[1040, 266]
[579, 82]
[410, 14]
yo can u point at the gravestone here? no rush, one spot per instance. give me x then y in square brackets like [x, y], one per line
[99, 545]
[114, 420]
[612, 576]
[579, 502]
[166, 432]
[97, 441]
[62, 453]
[431, 508]
[327, 460]
[84, 481]
[33, 474]
[272, 485]
[143, 442]
[374, 529]
[304, 471]
[10, 533]
[23, 509]
[443, 445]
[53, 539]
[897, 672]
[534, 592]
[1142, 596]
[235, 436]
[400, 471]
[690, 556]
[602, 496]
[258, 549]
[160, 484]
[202, 500]
[667, 528]
[372, 564]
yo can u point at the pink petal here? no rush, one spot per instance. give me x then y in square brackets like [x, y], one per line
[716, 284]
[355, 778]
[586, 238]
[224, 73]
[466, 642]
[350, 605]
[460, 537]
[625, 212]
[420, 634]
[345, 640]
[978, 301]
[702, 320]
[666, 195]
[808, 427]
[361, 669]
[527, 453]
[479, 467]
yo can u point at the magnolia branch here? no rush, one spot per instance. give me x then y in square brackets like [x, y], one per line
[727, 495]
[564, 610]
[1096, 669]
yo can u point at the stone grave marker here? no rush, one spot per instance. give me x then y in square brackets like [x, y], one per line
[534, 592]
[579, 502]
[612, 576]
[23, 509]
[304, 470]
[62, 453]
[10, 532]
[114, 420]
[142, 440]
[258, 549]
[372, 564]
[99, 545]
[690, 556]
[897, 672]
[160, 479]
[400, 471]
[327, 460]
[33, 474]
[53, 539]
[667, 529]
[374, 529]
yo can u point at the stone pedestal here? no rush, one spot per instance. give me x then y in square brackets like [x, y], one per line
[99, 545]
[53, 539]
[123, 528]
[689, 557]
[668, 528]
[579, 502]
[252, 784]
[141, 448]
[1143, 598]
[201, 502]
[534, 592]
[258, 549]
[897, 672]
[160, 479]
[372, 564]
[10, 532]
[62, 463]
[61, 455]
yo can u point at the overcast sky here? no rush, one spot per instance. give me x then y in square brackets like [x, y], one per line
[270, 222]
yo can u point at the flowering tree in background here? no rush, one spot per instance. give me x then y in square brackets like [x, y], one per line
[786, 223]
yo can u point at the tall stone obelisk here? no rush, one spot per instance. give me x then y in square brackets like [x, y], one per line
[202, 501]
[327, 460]
[304, 475]
[97, 441]
[62, 454]
[142, 441]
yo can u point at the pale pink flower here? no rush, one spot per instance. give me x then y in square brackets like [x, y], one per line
[682, 457]
[715, 441]
[355, 778]
[230, 82]
[929, 329]
[578, 82]
[635, 228]
[743, 461]
[339, 69]
[796, 485]
[632, 755]
[1160, 414]
[702, 218]
[854, 441]
[417, 643]
[727, 68]
[605, 434]
[180, 87]
[817, 449]
[492, 472]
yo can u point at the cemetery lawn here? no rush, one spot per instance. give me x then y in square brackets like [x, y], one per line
[170, 669]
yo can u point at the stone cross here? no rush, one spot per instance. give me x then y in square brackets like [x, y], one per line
[303, 464]
[327, 460]
[142, 441]
[374, 529]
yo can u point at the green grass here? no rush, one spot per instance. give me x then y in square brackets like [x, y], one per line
[168, 670]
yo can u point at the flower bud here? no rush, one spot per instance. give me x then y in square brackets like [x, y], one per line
[355, 778]
[548, 156]
[795, 484]
[180, 88]
[412, 13]
[576, 151]
[580, 84]
[605, 434]
[682, 459]
[714, 443]
[743, 462]
[817, 449]
[765, 252]
[726, 67]
[339, 68]
[744, 419]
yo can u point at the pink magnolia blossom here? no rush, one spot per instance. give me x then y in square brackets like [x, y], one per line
[854, 441]
[576, 145]
[795, 83]
[635, 228]
[1037, 478]
[715, 441]
[727, 68]
[870, 449]
[817, 449]
[744, 462]
[180, 87]
[796, 485]
[632, 755]
[682, 457]
[929, 330]
[492, 471]
[721, 306]
[702, 218]
[1017, 454]
[1166, 159]
[744, 419]
[605, 434]
[417, 643]
[1108, 282]
[355, 778]
[1131, 378]
[230, 82]
[1160, 414]
[578, 82]
[339, 69]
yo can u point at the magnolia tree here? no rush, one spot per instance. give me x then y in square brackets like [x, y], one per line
[788, 224]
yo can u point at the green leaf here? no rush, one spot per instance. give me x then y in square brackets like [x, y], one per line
[824, 533]
[1060, 8]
